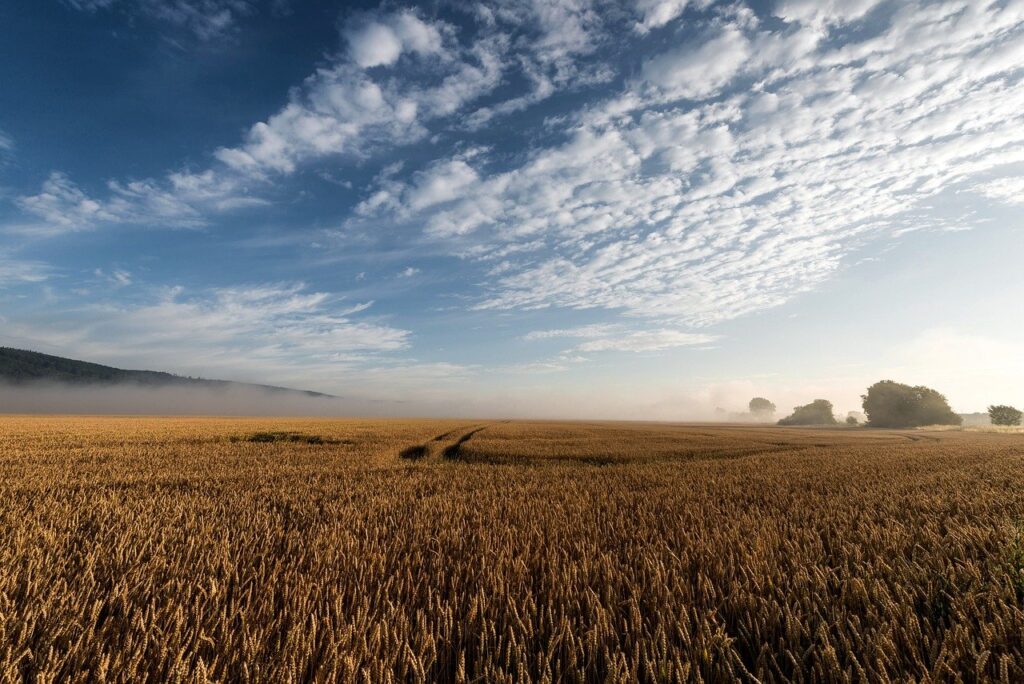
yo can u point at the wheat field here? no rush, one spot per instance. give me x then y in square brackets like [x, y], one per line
[283, 550]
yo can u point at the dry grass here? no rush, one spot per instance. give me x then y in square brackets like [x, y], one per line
[1005, 429]
[204, 550]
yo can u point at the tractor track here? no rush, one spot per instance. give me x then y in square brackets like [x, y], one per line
[418, 452]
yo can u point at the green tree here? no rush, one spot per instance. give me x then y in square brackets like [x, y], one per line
[1004, 415]
[891, 404]
[818, 412]
[761, 408]
[852, 421]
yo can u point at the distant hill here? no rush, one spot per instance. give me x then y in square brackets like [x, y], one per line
[20, 366]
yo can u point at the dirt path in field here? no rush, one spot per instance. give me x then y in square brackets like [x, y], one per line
[451, 451]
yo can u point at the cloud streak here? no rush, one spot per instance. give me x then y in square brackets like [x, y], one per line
[259, 333]
[206, 19]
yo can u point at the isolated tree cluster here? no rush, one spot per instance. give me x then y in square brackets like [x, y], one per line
[891, 404]
[761, 408]
[1004, 415]
[818, 412]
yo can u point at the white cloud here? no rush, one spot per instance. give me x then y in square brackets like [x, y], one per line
[567, 27]
[373, 45]
[584, 331]
[824, 11]
[646, 341]
[699, 71]
[181, 201]
[381, 42]
[344, 110]
[440, 184]
[1008, 190]
[657, 13]
[15, 271]
[118, 277]
[63, 205]
[613, 337]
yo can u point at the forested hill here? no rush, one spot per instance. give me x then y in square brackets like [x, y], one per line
[20, 366]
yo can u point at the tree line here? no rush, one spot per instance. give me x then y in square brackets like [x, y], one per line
[887, 404]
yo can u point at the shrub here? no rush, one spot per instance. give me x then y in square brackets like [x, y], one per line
[818, 412]
[1004, 415]
[891, 404]
[852, 421]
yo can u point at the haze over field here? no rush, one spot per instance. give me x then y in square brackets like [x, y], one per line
[563, 208]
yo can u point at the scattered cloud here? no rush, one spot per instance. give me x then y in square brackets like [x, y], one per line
[683, 198]
[647, 341]
[266, 331]
[602, 337]
[344, 109]
[118, 277]
[584, 331]
[182, 201]
[656, 13]
[17, 271]
[696, 72]
[827, 12]
[1008, 190]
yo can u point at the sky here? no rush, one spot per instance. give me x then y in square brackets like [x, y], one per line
[553, 208]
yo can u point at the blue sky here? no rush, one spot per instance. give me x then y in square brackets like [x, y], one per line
[555, 208]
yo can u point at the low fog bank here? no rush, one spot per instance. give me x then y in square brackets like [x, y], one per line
[249, 400]
[723, 402]
[136, 399]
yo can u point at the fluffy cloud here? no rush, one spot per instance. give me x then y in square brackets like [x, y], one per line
[346, 110]
[696, 72]
[657, 13]
[380, 42]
